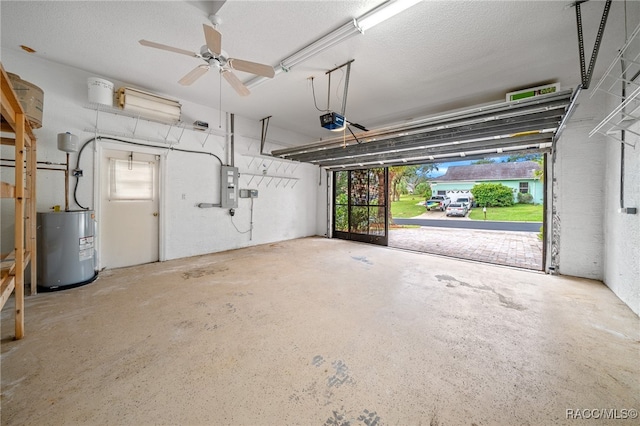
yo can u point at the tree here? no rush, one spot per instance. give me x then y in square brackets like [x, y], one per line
[523, 157]
[485, 161]
[423, 189]
[492, 195]
[397, 174]
[424, 169]
[539, 174]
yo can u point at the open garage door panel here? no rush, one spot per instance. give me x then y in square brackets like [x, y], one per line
[528, 125]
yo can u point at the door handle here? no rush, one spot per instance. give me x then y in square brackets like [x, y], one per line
[155, 214]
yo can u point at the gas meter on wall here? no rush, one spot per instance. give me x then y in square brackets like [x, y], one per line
[228, 187]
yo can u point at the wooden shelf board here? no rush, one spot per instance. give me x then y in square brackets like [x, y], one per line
[7, 190]
[6, 288]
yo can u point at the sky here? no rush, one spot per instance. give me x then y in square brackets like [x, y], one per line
[442, 167]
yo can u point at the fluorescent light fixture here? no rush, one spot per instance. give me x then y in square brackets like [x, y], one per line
[351, 28]
[320, 45]
[334, 37]
[384, 12]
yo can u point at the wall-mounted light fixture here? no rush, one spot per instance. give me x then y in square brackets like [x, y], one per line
[351, 28]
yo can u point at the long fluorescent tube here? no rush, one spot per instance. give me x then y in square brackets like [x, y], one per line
[320, 45]
[351, 28]
[384, 12]
[334, 37]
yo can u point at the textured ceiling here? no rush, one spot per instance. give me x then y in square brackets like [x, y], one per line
[435, 57]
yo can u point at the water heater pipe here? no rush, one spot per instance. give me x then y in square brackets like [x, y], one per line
[66, 186]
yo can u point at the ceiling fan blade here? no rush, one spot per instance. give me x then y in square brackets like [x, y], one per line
[235, 83]
[213, 38]
[169, 48]
[193, 75]
[252, 67]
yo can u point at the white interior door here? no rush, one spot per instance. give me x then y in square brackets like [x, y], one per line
[129, 222]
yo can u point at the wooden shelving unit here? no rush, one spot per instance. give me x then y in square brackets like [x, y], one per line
[23, 192]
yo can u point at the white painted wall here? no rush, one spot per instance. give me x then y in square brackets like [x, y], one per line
[279, 213]
[622, 231]
[596, 239]
[580, 174]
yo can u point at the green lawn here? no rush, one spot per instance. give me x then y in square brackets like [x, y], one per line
[407, 206]
[517, 213]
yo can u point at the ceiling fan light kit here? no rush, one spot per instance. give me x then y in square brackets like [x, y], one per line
[214, 57]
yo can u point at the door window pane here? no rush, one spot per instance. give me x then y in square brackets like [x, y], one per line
[359, 187]
[377, 190]
[377, 220]
[342, 191]
[130, 180]
[341, 218]
[359, 220]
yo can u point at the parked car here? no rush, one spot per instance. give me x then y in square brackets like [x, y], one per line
[466, 201]
[439, 202]
[456, 209]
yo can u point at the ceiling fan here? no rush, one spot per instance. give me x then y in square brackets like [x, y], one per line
[214, 57]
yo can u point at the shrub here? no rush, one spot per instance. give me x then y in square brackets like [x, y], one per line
[423, 189]
[492, 195]
[525, 198]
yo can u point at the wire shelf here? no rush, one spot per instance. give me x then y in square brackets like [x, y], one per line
[626, 115]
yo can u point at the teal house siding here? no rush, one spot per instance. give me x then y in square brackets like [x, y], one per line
[517, 176]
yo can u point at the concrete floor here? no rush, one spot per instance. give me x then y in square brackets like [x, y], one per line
[321, 332]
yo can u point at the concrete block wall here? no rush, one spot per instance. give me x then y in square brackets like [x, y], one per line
[598, 239]
[621, 230]
[279, 213]
[580, 173]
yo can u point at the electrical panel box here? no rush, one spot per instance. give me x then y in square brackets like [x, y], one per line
[228, 187]
[248, 193]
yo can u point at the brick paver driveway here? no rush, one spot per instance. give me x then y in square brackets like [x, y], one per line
[519, 249]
